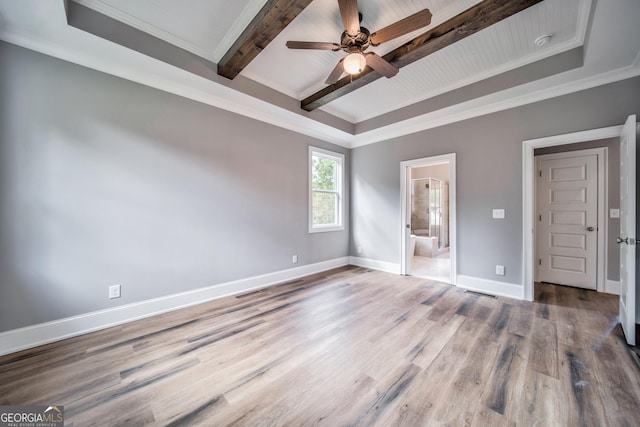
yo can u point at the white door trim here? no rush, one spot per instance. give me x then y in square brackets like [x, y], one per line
[405, 261]
[603, 208]
[528, 191]
[628, 310]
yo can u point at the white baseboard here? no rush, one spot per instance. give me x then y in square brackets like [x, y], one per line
[491, 287]
[43, 333]
[612, 287]
[388, 267]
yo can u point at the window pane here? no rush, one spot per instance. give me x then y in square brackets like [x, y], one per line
[324, 173]
[324, 208]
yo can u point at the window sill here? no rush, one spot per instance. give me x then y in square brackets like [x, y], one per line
[323, 229]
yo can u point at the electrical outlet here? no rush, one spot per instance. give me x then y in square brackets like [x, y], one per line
[500, 270]
[114, 291]
[359, 249]
[498, 213]
[294, 259]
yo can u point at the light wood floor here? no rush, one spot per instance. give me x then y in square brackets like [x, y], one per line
[438, 268]
[348, 347]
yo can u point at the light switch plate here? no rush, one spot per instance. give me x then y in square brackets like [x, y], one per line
[498, 213]
[614, 213]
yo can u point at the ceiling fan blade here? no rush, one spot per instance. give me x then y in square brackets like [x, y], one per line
[381, 65]
[402, 27]
[350, 16]
[336, 73]
[313, 45]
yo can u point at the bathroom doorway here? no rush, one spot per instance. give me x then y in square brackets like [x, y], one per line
[428, 229]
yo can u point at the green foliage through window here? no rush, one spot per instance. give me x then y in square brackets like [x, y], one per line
[324, 208]
[324, 173]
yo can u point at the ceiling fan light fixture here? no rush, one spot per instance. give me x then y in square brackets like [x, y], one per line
[354, 63]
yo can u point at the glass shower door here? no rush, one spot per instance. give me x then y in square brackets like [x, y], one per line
[435, 209]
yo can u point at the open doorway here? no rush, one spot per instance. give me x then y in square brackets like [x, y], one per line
[573, 191]
[428, 212]
[626, 239]
[609, 280]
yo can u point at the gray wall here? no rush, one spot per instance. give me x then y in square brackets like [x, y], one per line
[104, 181]
[613, 193]
[489, 175]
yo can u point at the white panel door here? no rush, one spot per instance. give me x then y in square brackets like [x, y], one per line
[627, 237]
[568, 219]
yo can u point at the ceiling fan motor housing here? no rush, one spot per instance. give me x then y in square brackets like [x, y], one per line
[357, 43]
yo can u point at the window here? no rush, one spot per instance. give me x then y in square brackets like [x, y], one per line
[326, 170]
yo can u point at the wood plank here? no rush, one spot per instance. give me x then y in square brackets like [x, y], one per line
[543, 357]
[521, 322]
[467, 23]
[620, 390]
[577, 372]
[503, 392]
[383, 399]
[499, 321]
[274, 17]
[431, 342]
[545, 301]
[486, 417]
[429, 388]
[543, 402]
[457, 404]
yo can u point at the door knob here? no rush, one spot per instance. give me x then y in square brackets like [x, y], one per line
[625, 240]
[590, 228]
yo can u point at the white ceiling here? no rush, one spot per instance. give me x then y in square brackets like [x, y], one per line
[204, 27]
[208, 28]
[501, 47]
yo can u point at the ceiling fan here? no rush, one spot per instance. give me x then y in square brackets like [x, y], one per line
[355, 40]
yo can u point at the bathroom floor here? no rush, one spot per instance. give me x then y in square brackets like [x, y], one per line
[438, 268]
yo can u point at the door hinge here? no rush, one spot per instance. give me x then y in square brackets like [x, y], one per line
[540, 173]
[539, 217]
[539, 261]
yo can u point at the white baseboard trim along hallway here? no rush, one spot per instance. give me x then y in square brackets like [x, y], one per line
[56, 330]
[389, 267]
[491, 287]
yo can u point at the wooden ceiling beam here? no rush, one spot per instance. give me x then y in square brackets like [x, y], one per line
[274, 16]
[469, 22]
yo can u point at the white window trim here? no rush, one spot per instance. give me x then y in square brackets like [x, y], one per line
[340, 185]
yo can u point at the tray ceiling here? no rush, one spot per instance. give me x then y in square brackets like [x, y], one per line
[271, 87]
